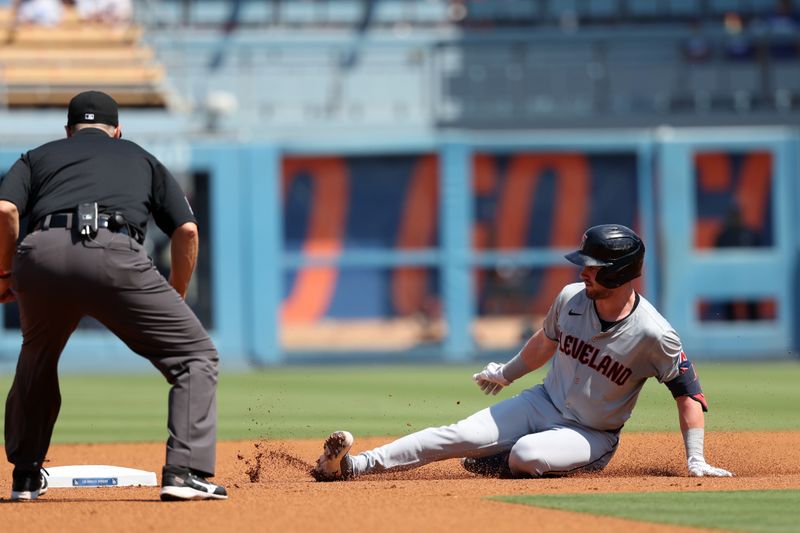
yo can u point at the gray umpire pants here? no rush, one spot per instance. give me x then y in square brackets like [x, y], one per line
[58, 279]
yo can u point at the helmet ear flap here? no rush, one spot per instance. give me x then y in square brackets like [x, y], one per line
[623, 270]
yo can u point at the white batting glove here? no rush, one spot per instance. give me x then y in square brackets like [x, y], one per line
[491, 379]
[699, 468]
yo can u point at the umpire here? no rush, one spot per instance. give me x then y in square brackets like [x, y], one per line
[87, 199]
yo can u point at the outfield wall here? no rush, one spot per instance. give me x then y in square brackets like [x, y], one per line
[450, 247]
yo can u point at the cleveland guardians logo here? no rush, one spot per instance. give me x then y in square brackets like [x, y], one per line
[586, 354]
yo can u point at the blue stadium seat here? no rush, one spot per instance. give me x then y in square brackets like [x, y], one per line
[166, 14]
[302, 12]
[206, 12]
[481, 11]
[704, 85]
[568, 90]
[690, 9]
[644, 9]
[720, 7]
[642, 76]
[762, 7]
[600, 10]
[256, 12]
[785, 79]
[558, 8]
[392, 11]
[742, 84]
[743, 77]
[515, 11]
[432, 11]
[344, 12]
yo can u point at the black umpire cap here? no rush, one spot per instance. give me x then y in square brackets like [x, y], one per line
[92, 107]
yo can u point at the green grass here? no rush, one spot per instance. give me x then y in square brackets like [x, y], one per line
[299, 402]
[773, 511]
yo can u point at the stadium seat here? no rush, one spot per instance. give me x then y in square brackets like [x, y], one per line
[743, 76]
[344, 12]
[46, 66]
[23, 55]
[6, 16]
[644, 9]
[685, 9]
[432, 12]
[209, 13]
[786, 86]
[522, 12]
[301, 12]
[762, 7]
[65, 75]
[599, 10]
[718, 8]
[169, 14]
[75, 36]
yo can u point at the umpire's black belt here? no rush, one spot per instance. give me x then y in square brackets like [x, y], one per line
[64, 220]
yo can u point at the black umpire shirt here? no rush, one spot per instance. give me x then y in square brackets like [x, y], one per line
[90, 166]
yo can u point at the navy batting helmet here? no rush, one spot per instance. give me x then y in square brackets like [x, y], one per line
[615, 248]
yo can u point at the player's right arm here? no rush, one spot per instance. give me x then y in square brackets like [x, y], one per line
[536, 352]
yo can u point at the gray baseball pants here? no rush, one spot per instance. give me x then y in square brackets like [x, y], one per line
[540, 440]
[58, 279]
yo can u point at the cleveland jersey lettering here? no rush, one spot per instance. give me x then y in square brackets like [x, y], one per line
[586, 354]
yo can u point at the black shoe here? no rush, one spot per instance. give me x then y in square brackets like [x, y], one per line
[27, 485]
[181, 484]
[489, 466]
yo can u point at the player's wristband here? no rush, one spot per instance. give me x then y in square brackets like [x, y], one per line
[693, 440]
[5, 275]
[515, 368]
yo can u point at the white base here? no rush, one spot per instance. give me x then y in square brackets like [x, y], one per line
[79, 476]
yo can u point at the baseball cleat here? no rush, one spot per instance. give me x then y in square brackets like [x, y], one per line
[181, 484]
[27, 485]
[489, 466]
[335, 463]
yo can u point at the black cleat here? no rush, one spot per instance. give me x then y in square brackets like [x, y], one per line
[181, 484]
[489, 466]
[27, 485]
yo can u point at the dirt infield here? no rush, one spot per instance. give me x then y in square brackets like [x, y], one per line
[271, 491]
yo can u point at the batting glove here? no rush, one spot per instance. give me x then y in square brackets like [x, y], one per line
[491, 379]
[699, 468]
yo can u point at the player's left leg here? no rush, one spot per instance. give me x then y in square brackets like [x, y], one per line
[562, 450]
[477, 433]
[487, 432]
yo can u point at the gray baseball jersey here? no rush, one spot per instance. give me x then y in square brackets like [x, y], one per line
[596, 375]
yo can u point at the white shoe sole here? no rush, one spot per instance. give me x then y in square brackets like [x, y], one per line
[188, 494]
[24, 496]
